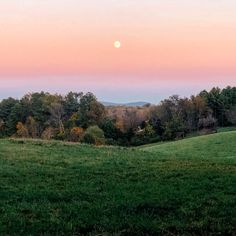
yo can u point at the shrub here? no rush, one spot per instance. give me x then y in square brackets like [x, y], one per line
[61, 135]
[76, 134]
[22, 131]
[94, 135]
[89, 138]
[138, 140]
[48, 133]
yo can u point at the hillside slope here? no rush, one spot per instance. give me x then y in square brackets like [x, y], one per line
[221, 146]
[180, 188]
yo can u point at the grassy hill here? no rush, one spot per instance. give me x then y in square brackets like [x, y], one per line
[186, 187]
[215, 147]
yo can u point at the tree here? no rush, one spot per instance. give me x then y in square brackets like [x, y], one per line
[174, 128]
[76, 134]
[72, 121]
[207, 123]
[22, 131]
[94, 135]
[200, 109]
[32, 127]
[16, 115]
[231, 115]
[66, 117]
[214, 100]
[131, 119]
[1, 128]
[6, 107]
[168, 117]
[149, 131]
[111, 132]
[155, 120]
[48, 133]
[145, 135]
[40, 108]
[71, 103]
[90, 112]
[56, 119]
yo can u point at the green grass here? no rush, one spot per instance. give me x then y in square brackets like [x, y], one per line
[186, 187]
[226, 129]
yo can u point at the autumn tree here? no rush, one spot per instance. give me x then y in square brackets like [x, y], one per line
[56, 118]
[32, 127]
[22, 131]
[76, 134]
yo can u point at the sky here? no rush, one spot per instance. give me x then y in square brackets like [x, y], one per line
[167, 47]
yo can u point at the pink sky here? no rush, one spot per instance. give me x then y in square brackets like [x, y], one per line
[177, 46]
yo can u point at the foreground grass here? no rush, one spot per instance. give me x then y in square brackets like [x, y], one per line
[179, 188]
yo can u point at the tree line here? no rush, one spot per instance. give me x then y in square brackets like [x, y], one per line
[80, 117]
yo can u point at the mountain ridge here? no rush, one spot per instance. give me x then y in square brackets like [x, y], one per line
[128, 104]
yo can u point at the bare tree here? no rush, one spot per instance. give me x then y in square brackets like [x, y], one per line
[57, 113]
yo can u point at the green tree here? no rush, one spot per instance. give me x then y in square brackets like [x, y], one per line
[174, 128]
[6, 107]
[71, 103]
[17, 115]
[90, 112]
[110, 130]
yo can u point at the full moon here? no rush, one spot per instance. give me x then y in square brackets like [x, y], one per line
[117, 44]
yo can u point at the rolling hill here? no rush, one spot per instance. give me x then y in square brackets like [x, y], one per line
[186, 187]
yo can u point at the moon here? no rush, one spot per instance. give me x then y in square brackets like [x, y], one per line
[117, 44]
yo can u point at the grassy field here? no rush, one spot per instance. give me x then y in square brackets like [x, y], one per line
[186, 187]
[226, 129]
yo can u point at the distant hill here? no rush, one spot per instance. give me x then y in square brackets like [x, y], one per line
[130, 104]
